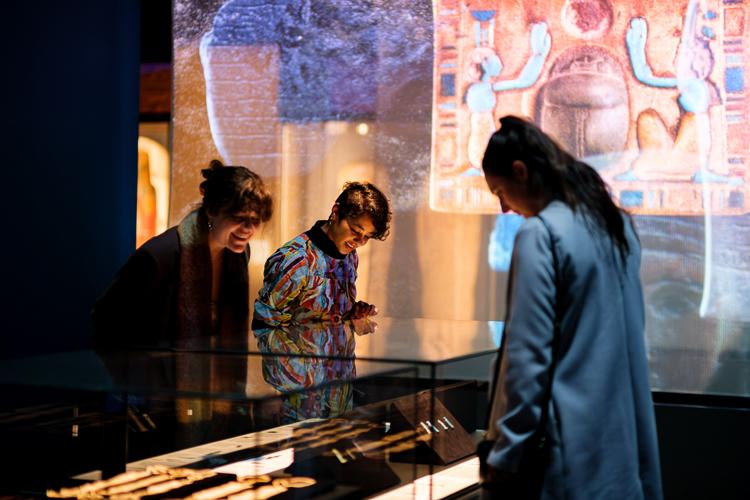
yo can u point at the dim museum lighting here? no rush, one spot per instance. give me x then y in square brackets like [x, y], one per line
[153, 190]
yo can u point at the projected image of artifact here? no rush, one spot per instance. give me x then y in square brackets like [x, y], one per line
[309, 95]
[405, 93]
[651, 95]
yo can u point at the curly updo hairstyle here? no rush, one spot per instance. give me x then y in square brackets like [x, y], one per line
[232, 190]
[360, 198]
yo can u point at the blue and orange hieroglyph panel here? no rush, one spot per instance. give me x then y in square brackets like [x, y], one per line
[652, 94]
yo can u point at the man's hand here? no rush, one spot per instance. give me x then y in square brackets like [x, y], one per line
[362, 310]
[360, 316]
[363, 326]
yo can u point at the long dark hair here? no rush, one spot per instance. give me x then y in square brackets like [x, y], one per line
[554, 173]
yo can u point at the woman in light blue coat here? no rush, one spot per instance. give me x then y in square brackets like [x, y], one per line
[571, 411]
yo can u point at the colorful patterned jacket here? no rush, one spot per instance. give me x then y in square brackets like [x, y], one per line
[306, 280]
[301, 327]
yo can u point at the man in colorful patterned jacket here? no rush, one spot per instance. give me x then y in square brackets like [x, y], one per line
[311, 281]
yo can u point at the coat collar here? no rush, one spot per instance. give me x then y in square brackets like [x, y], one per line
[321, 240]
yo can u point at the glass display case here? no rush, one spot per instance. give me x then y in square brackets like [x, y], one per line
[388, 414]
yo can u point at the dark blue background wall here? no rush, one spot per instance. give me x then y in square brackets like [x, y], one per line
[69, 133]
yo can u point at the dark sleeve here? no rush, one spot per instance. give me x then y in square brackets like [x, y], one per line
[127, 311]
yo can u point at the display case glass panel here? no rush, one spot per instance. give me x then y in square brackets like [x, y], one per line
[389, 410]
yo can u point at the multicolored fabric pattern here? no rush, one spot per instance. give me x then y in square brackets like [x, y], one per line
[301, 325]
[313, 386]
[302, 283]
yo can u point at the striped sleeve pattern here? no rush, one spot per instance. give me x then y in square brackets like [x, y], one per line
[285, 276]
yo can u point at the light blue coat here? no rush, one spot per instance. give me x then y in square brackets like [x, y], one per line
[602, 417]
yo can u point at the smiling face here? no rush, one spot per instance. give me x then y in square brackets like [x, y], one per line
[233, 231]
[349, 233]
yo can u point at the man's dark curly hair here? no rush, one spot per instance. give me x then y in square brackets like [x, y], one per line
[360, 198]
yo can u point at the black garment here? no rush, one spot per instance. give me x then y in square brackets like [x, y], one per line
[162, 295]
[321, 240]
[140, 305]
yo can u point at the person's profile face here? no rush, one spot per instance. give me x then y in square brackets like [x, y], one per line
[512, 193]
[233, 231]
[350, 233]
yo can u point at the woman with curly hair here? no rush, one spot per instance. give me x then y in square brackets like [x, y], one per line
[192, 280]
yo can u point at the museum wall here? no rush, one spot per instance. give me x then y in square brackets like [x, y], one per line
[70, 127]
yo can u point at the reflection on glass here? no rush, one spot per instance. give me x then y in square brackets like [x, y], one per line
[312, 365]
[191, 397]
